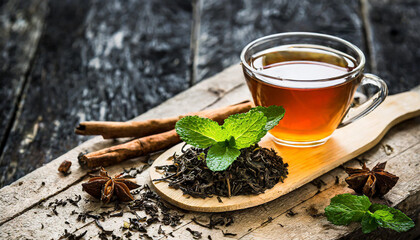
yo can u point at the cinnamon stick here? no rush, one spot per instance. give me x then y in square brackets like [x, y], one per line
[135, 148]
[148, 127]
[153, 143]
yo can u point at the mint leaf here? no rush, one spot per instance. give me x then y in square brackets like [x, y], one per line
[239, 131]
[388, 217]
[199, 132]
[368, 223]
[347, 208]
[246, 128]
[383, 215]
[231, 142]
[220, 156]
[273, 114]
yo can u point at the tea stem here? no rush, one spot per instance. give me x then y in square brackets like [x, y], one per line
[228, 186]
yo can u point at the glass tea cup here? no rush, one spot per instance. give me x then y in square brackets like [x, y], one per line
[314, 77]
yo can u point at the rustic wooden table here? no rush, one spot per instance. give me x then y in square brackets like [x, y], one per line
[68, 61]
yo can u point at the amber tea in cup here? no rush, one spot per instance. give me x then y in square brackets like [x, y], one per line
[313, 76]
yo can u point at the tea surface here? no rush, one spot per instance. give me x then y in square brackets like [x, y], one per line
[302, 70]
[313, 109]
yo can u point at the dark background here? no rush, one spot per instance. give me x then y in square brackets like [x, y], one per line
[66, 61]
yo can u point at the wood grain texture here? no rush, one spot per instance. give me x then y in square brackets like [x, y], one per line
[21, 24]
[24, 217]
[395, 42]
[97, 60]
[305, 164]
[20, 215]
[74, 54]
[308, 225]
[221, 39]
[393, 36]
[402, 138]
[234, 91]
[28, 215]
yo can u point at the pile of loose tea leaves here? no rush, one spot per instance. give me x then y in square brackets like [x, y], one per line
[255, 170]
[136, 217]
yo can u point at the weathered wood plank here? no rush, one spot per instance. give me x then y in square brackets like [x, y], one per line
[276, 209]
[21, 24]
[305, 164]
[395, 42]
[214, 92]
[30, 219]
[404, 196]
[44, 224]
[98, 60]
[221, 39]
[401, 138]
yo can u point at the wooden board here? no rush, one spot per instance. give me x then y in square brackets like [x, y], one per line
[391, 29]
[24, 203]
[305, 164]
[99, 62]
[221, 39]
[21, 27]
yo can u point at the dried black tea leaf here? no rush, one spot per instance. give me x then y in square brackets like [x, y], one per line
[195, 234]
[254, 171]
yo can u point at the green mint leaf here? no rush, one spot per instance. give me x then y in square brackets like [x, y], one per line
[220, 156]
[273, 114]
[246, 128]
[388, 217]
[383, 215]
[199, 132]
[347, 208]
[239, 131]
[231, 142]
[368, 223]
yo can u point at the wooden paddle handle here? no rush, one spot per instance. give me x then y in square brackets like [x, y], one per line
[365, 133]
[395, 109]
[305, 164]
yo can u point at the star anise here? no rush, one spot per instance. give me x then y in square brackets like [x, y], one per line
[104, 187]
[371, 182]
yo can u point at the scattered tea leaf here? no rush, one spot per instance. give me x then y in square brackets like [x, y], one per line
[228, 234]
[195, 234]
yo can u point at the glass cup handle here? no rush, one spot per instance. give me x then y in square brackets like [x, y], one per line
[372, 102]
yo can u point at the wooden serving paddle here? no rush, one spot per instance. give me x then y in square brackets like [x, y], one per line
[305, 164]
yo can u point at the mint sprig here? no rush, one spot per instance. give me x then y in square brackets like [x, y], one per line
[221, 156]
[273, 114]
[238, 131]
[347, 208]
[245, 128]
[200, 132]
[388, 217]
